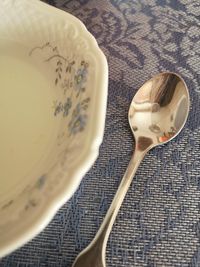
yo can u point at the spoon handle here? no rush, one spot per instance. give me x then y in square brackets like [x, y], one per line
[94, 254]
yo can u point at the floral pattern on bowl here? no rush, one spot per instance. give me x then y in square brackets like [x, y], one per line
[71, 80]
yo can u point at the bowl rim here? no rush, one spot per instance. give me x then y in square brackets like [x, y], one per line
[49, 210]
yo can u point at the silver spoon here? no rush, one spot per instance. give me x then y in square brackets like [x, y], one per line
[157, 114]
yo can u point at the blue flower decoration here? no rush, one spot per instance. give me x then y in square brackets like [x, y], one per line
[66, 107]
[78, 121]
[80, 77]
[41, 182]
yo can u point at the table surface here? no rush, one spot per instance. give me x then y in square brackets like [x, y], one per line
[158, 224]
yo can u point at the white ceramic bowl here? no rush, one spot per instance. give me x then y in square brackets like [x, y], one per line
[53, 92]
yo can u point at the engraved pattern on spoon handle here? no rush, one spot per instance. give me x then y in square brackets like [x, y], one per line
[94, 254]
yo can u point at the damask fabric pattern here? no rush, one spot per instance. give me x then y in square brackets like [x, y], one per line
[158, 224]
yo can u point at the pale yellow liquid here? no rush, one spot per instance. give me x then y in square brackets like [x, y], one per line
[26, 119]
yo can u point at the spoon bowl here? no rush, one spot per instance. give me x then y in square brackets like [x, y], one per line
[159, 110]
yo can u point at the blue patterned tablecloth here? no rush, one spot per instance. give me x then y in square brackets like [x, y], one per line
[158, 224]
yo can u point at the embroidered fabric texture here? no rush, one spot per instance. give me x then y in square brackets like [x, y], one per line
[158, 224]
